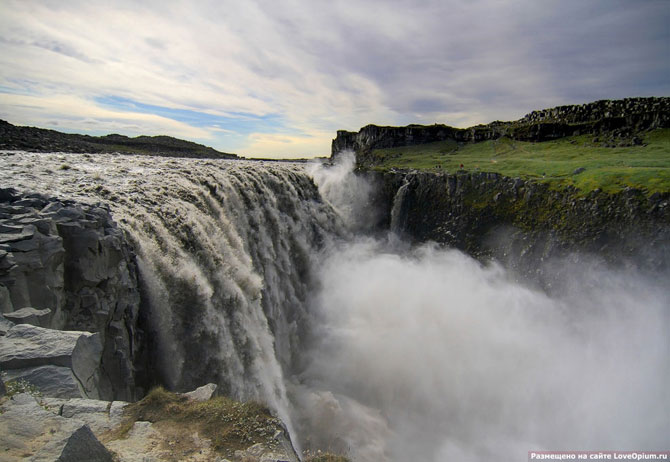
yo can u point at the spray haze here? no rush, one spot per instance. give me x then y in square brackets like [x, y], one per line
[434, 356]
[347, 193]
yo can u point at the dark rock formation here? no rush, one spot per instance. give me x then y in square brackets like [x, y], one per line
[73, 260]
[620, 120]
[524, 223]
[41, 140]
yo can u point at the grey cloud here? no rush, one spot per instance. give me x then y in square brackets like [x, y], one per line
[64, 49]
[156, 43]
[505, 58]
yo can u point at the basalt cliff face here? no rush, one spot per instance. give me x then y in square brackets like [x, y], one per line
[68, 280]
[526, 224]
[617, 122]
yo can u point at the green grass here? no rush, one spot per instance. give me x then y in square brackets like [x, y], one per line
[644, 167]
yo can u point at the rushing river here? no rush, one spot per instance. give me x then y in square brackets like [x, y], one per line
[258, 276]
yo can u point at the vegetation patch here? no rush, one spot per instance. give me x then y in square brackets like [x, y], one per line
[579, 161]
[230, 425]
[14, 387]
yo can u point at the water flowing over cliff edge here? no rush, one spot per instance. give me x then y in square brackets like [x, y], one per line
[280, 284]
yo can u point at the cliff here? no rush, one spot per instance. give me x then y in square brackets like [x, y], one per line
[618, 122]
[33, 139]
[526, 224]
[66, 268]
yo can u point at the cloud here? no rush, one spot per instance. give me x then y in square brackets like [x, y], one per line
[314, 67]
[289, 146]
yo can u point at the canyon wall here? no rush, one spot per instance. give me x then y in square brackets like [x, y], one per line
[525, 224]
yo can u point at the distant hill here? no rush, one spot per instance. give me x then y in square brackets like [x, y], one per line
[41, 140]
[612, 123]
[605, 145]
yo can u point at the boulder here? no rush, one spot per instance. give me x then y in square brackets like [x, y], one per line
[61, 364]
[99, 415]
[30, 346]
[86, 359]
[35, 317]
[203, 393]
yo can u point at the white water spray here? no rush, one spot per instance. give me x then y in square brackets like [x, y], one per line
[425, 354]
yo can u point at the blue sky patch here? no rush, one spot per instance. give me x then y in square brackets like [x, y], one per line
[235, 124]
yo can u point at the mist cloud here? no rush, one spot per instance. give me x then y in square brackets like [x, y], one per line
[451, 360]
[423, 353]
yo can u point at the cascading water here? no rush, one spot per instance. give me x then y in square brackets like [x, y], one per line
[398, 217]
[224, 252]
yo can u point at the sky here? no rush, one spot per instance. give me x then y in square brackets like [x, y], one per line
[279, 78]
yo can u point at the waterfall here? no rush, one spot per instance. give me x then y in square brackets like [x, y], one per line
[257, 280]
[399, 209]
[224, 251]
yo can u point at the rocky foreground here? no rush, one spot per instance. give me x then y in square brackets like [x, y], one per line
[38, 428]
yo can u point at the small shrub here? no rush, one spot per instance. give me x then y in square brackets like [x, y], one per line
[14, 387]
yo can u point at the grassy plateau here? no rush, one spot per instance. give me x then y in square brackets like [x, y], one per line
[577, 160]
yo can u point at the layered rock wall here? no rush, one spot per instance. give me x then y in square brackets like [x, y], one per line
[525, 223]
[72, 260]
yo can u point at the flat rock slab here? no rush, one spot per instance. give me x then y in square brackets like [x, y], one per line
[99, 415]
[80, 445]
[30, 346]
[33, 316]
